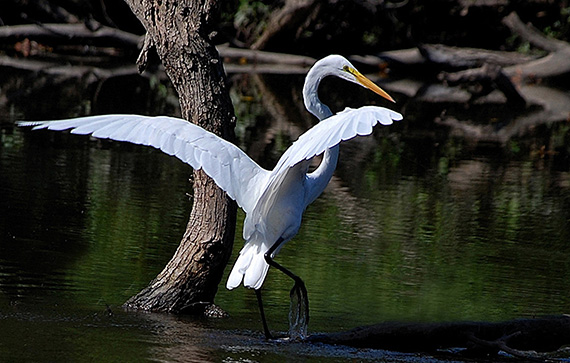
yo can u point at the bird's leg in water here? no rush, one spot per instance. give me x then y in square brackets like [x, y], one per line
[299, 314]
[263, 320]
[299, 311]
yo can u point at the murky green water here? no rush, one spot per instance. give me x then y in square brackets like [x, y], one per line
[416, 226]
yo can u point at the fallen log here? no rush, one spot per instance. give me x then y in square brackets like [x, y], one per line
[77, 33]
[67, 71]
[411, 60]
[446, 57]
[483, 70]
[516, 68]
[455, 57]
[517, 337]
[502, 70]
[252, 56]
[400, 57]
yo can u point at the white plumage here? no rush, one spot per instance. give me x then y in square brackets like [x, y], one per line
[273, 201]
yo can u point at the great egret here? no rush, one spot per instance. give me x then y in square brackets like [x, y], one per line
[273, 201]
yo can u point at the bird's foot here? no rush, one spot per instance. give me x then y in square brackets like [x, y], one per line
[299, 311]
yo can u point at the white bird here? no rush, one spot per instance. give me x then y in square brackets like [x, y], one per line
[273, 200]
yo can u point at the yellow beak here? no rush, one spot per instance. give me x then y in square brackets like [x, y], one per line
[370, 85]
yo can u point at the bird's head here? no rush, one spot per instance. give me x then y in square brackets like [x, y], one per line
[337, 65]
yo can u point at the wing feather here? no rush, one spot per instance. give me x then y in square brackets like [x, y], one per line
[229, 166]
[233, 171]
[340, 127]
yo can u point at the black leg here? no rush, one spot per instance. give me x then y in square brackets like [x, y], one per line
[299, 288]
[262, 312]
[271, 262]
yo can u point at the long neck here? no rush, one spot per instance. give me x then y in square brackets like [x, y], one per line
[319, 179]
[311, 94]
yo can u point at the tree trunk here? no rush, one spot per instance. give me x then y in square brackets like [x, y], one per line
[179, 31]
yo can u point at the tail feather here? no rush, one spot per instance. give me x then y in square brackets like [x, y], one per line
[255, 274]
[250, 267]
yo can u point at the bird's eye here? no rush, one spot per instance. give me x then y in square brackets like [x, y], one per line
[346, 69]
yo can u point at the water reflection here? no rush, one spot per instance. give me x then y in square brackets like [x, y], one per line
[416, 225]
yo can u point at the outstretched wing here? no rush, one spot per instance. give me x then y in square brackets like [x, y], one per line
[239, 176]
[331, 131]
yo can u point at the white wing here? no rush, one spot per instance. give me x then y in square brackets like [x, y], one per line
[239, 176]
[331, 131]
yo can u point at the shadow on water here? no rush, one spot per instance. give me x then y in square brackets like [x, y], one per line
[419, 224]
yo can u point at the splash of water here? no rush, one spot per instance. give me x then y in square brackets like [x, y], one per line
[298, 312]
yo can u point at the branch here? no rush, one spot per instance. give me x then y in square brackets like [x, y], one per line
[501, 344]
[555, 64]
[70, 32]
[531, 34]
[291, 16]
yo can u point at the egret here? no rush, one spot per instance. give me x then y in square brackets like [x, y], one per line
[273, 200]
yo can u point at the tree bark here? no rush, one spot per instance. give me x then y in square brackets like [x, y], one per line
[180, 32]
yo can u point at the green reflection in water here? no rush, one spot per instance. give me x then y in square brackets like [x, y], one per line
[478, 242]
[136, 214]
[404, 232]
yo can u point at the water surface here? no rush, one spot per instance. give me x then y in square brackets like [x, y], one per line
[416, 225]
